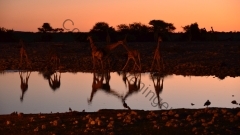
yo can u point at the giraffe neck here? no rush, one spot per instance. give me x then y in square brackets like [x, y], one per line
[112, 46]
[125, 46]
[158, 45]
[92, 44]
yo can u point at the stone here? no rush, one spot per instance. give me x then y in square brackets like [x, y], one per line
[238, 114]
[43, 127]
[92, 122]
[119, 115]
[194, 129]
[8, 122]
[42, 117]
[36, 129]
[171, 112]
[133, 113]
[56, 122]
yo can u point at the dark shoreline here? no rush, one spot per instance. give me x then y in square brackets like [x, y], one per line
[219, 59]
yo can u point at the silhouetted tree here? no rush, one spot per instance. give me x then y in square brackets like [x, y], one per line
[134, 30]
[58, 30]
[46, 27]
[161, 27]
[6, 35]
[102, 29]
[138, 28]
[192, 31]
[124, 28]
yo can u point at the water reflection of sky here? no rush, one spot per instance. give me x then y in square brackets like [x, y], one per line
[75, 89]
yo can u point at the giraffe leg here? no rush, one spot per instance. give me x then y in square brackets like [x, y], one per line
[93, 60]
[27, 61]
[126, 64]
[154, 57]
[139, 59]
[20, 64]
[162, 64]
[158, 65]
[109, 66]
[152, 67]
[102, 64]
[135, 65]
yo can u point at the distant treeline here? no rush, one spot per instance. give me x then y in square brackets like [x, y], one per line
[99, 37]
[136, 32]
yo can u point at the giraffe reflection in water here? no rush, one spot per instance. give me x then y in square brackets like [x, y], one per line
[54, 80]
[98, 84]
[53, 77]
[52, 71]
[132, 81]
[24, 76]
[157, 79]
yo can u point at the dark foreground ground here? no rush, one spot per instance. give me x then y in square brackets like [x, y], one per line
[197, 58]
[186, 58]
[207, 121]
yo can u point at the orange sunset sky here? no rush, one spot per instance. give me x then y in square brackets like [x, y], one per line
[26, 15]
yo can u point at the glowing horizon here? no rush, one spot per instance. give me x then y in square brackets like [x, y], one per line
[28, 16]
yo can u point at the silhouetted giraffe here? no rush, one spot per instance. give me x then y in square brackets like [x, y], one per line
[213, 36]
[134, 55]
[23, 53]
[212, 29]
[108, 49]
[97, 54]
[108, 39]
[158, 57]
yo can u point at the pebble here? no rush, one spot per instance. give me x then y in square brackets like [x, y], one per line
[43, 127]
[8, 122]
[36, 129]
[238, 114]
[92, 123]
[56, 122]
[119, 115]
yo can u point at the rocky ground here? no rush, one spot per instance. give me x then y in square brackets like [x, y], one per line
[186, 58]
[215, 121]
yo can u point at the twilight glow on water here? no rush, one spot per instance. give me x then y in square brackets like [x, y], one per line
[75, 91]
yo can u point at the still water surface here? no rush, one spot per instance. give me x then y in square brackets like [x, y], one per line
[75, 90]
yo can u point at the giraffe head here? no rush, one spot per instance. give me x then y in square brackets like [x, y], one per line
[159, 39]
[120, 42]
[89, 38]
